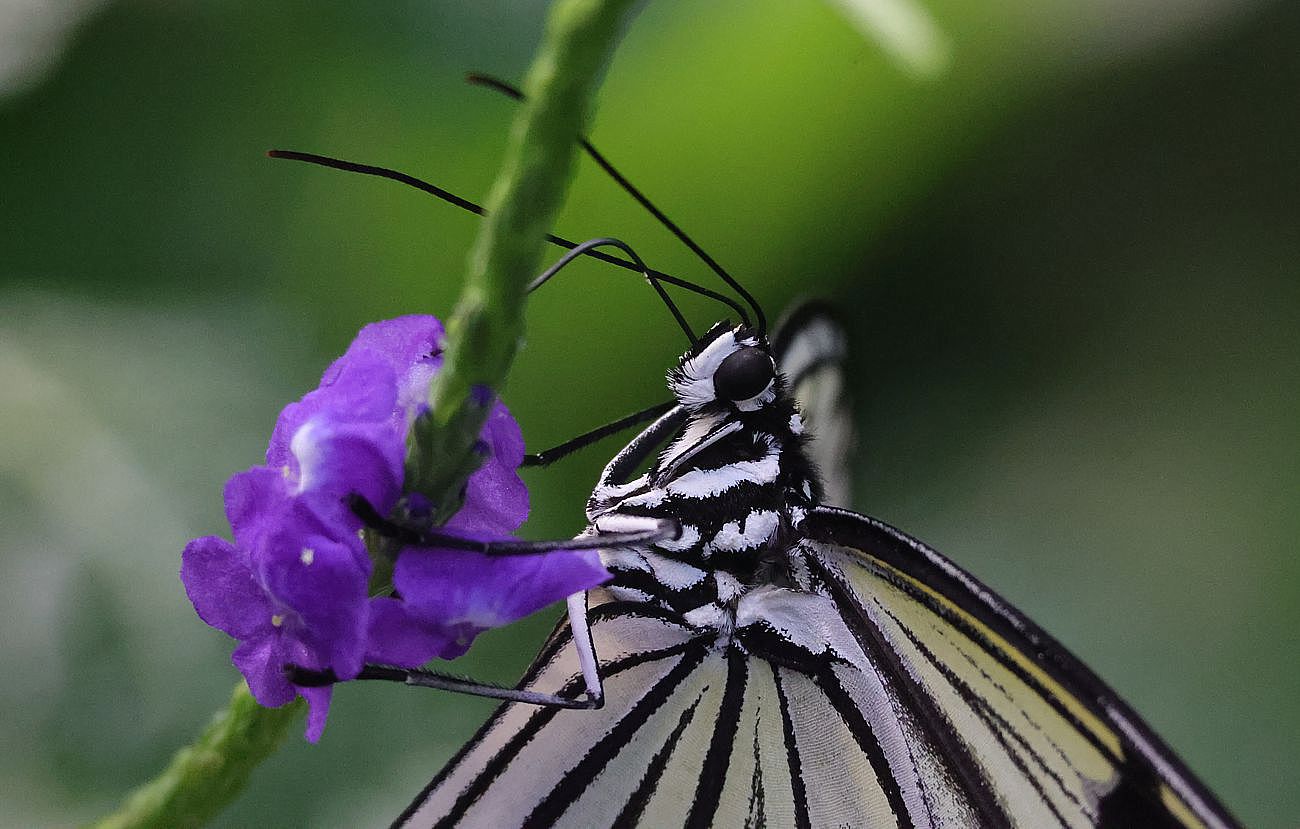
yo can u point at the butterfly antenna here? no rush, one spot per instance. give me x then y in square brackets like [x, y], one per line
[655, 277]
[592, 244]
[512, 92]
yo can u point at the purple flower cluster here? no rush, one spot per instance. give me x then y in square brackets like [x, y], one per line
[293, 587]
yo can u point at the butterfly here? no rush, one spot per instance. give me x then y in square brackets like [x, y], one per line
[788, 663]
[763, 656]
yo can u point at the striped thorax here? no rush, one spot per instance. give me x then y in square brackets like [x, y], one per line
[736, 477]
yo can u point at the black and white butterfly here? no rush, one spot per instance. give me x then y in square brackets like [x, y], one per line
[765, 657]
[788, 663]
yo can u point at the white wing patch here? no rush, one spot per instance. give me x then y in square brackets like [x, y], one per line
[821, 398]
[819, 340]
[812, 356]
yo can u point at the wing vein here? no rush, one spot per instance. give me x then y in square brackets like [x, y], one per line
[500, 761]
[713, 776]
[951, 749]
[578, 778]
[636, 803]
[867, 740]
[997, 724]
[801, 819]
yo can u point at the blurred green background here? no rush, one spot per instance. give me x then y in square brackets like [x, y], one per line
[1069, 256]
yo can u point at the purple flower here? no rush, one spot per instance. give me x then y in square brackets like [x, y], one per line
[314, 623]
[459, 594]
[453, 595]
[293, 587]
[383, 377]
[496, 500]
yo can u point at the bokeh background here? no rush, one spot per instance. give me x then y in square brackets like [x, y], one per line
[1067, 236]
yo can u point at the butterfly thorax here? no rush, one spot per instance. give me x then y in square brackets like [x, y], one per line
[736, 477]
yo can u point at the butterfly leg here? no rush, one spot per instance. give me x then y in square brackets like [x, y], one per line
[418, 678]
[639, 532]
[618, 470]
[549, 456]
[651, 532]
[579, 625]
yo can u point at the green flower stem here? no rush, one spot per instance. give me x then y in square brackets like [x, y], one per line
[484, 333]
[483, 337]
[207, 774]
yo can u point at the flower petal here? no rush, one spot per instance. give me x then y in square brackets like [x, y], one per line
[398, 638]
[219, 581]
[255, 503]
[502, 432]
[406, 341]
[318, 709]
[319, 580]
[496, 499]
[261, 660]
[469, 592]
[360, 387]
[336, 459]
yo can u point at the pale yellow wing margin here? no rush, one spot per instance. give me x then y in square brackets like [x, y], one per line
[1054, 744]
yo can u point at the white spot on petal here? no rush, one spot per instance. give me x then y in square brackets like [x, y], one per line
[305, 447]
[307, 556]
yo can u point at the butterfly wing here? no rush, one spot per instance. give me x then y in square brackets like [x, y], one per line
[541, 766]
[810, 347]
[691, 735]
[695, 732]
[998, 700]
[958, 713]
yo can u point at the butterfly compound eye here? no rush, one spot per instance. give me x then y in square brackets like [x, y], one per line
[743, 375]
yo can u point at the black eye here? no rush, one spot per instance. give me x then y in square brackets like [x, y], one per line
[743, 374]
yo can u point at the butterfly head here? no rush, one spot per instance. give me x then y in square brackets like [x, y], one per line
[729, 367]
